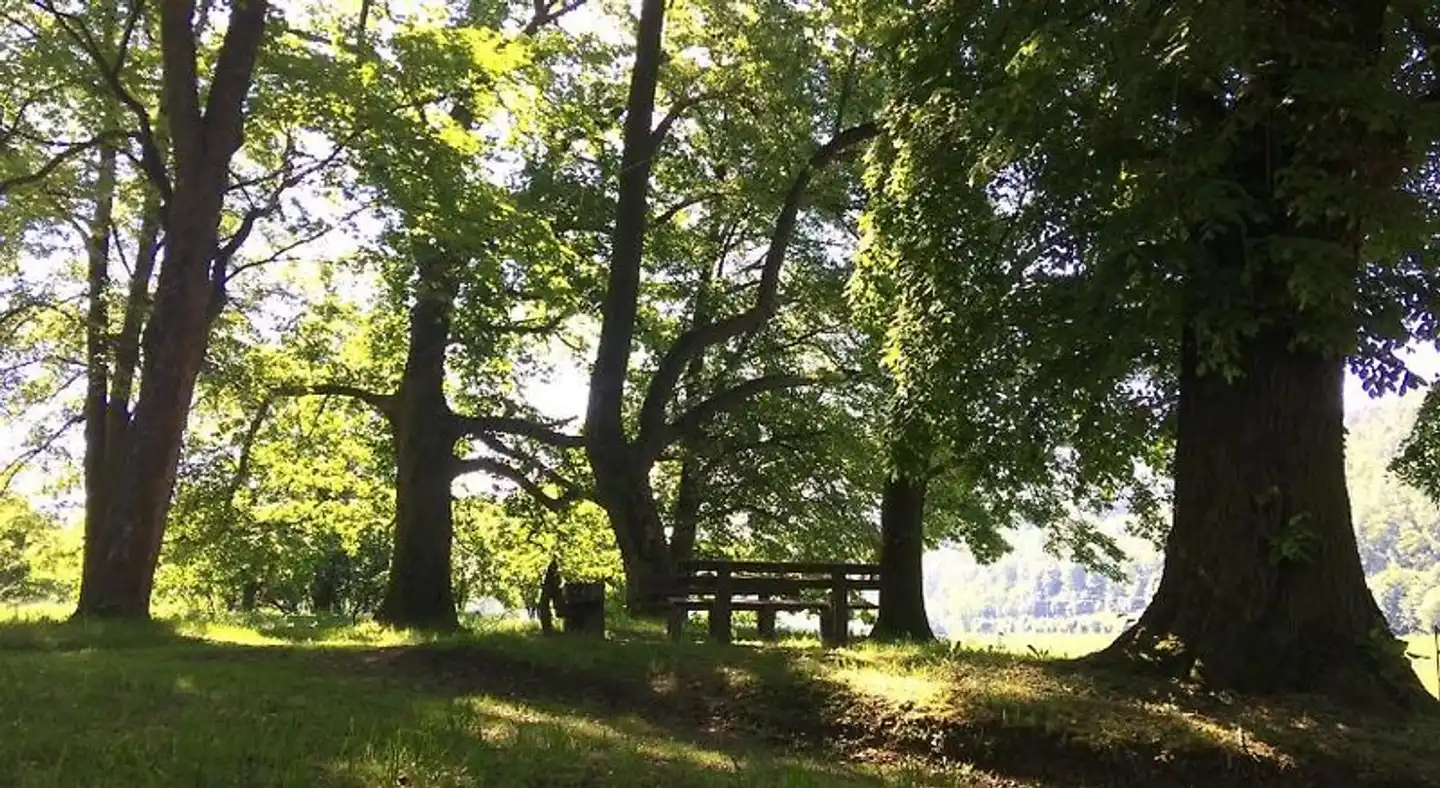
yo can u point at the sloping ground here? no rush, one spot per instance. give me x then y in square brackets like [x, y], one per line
[989, 718]
[117, 707]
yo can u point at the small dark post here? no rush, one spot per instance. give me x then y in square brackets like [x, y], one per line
[584, 609]
[839, 630]
[551, 596]
[766, 617]
[720, 607]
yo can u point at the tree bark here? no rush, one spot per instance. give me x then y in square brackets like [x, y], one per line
[621, 465]
[902, 548]
[689, 496]
[640, 535]
[97, 357]
[1262, 589]
[123, 549]
[622, 486]
[419, 592]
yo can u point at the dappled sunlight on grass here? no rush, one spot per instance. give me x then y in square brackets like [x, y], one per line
[220, 703]
[324, 701]
[985, 688]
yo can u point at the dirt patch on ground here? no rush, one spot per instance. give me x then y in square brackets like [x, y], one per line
[719, 704]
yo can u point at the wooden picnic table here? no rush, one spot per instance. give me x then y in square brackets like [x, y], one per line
[721, 587]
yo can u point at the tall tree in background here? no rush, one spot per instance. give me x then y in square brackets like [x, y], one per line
[132, 453]
[1205, 209]
[463, 264]
[622, 464]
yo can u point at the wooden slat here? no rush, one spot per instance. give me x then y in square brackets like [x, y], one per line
[771, 604]
[795, 567]
[756, 604]
[772, 585]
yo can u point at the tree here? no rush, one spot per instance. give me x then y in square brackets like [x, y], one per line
[172, 195]
[29, 547]
[1427, 614]
[621, 464]
[455, 239]
[1172, 245]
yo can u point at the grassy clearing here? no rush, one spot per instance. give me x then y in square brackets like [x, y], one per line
[220, 704]
[1045, 645]
[279, 702]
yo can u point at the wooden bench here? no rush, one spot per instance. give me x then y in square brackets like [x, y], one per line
[767, 587]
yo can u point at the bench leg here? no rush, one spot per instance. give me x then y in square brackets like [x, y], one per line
[835, 626]
[766, 616]
[839, 610]
[675, 623]
[720, 620]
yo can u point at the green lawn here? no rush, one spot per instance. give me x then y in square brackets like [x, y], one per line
[296, 702]
[1044, 644]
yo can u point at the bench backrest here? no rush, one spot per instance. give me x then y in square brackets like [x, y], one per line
[777, 578]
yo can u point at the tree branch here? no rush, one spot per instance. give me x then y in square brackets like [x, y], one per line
[553, 476]
[13, 468]
[151, 161]
[504, 471]
[545, 14]
[697, 340]
[726, 400]
[665, 216]
[478, 426]
[678, 110]
[67, 152]
[384, 403]
[234, 67]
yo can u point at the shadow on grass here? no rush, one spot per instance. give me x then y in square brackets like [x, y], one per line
[45, 634]
[161, 709]
[1064, 726]
[513, 708]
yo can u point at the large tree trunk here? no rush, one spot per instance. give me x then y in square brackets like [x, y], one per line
[902, 548]
[123, 549]
[419, 591]
[689, 496]
[1262, 588]
[639, 534]
[97, 357]
[622, 484]
[128, 544]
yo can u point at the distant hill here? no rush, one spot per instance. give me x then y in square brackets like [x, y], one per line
[1397, 527]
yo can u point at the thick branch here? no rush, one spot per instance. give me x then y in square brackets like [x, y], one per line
[66, 153]
[572, 490]
[665, 216]
[545, 14]
[225, 104]
[701, 338]
[477, 426]
[384, 403]
[721, 402]
[137, 304]
[677, 111]
[498, 468]
[181, 81]
[604, 419]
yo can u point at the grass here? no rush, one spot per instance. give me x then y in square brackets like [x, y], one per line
[305, 702]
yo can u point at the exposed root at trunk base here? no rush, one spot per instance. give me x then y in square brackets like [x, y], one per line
[1371, 675]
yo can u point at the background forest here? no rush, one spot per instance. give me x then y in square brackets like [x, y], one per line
[501, 553]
